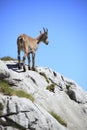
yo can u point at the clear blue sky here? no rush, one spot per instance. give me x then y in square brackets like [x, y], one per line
[66, 21]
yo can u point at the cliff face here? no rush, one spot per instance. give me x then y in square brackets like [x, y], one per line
[40, 100]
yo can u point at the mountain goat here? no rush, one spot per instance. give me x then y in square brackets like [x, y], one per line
[29, 46]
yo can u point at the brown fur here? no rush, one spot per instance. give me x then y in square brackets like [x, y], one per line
[29, 45]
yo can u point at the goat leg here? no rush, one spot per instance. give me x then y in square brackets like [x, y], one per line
[24, 58]
[33, 61]
[28, 56]
[19, 65]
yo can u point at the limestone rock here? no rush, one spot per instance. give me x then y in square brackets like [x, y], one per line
[21, 113]
[68, 101]
[4, 72]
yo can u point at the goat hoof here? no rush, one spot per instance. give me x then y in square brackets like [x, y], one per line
[33, 69]
[19, 66]
[24, 69]
[29, 68]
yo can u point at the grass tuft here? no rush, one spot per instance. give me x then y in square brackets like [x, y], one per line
[7, 90]
[7, 58]
[21, 93]
[51, 87]
[67, 87]
[59, 119]
[1, 108]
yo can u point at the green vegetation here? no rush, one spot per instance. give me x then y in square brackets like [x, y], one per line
[7, 90]
[51, 87]
[44, 75]
[67, 87]
[58, 118]
[1, 108]
[7, 58]
[21, 93]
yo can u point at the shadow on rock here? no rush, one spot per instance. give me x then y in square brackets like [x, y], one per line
[14, 67]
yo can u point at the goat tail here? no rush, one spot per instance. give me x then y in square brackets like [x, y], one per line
[20, 40]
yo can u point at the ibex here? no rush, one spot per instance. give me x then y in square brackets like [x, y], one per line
[29, 46]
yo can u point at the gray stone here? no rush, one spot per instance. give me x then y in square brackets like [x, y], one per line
[4, 72]
[21, 113]
[68, 101]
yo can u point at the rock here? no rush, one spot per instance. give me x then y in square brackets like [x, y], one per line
[21, 113]
[77, 94]
[67, 102]
[4, 72]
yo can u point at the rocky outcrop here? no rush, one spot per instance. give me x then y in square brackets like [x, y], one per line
[21, 113]
[59, 103]
[4, 72]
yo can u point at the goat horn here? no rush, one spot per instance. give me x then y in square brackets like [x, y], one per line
[44, 29]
